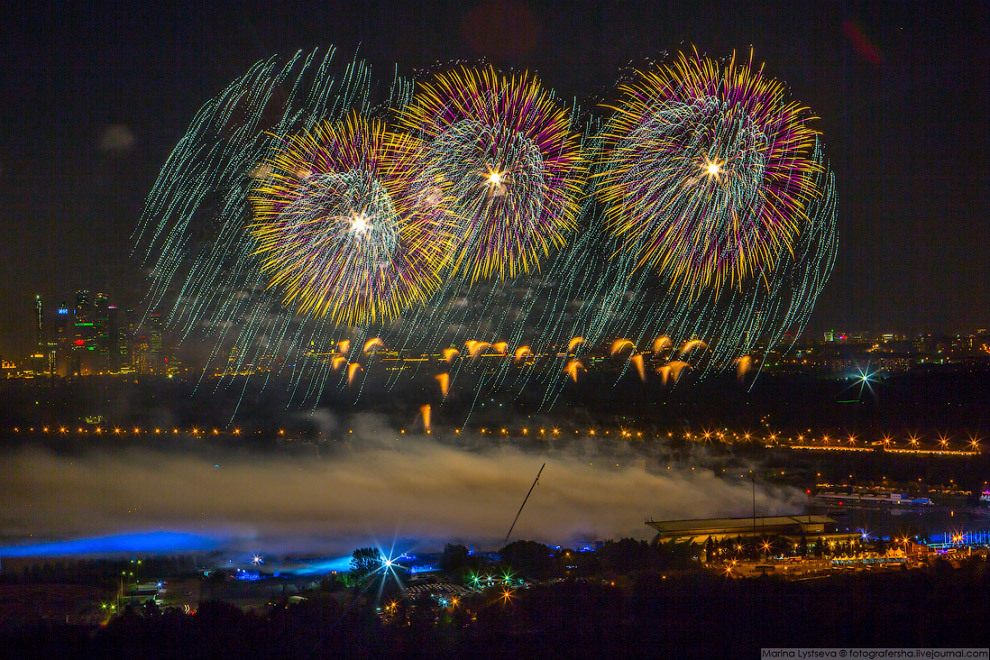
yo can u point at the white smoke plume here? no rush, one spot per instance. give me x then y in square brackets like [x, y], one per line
[373, 488]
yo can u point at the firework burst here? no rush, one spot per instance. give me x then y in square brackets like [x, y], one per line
[501, 154]
[288, 211]
[707, 172]
[334, 228]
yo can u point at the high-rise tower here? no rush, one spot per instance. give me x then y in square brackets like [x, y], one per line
[39, 330]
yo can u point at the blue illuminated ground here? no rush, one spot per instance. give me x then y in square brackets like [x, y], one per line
[159, 542]
[170, 542]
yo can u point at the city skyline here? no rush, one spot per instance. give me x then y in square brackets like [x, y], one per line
[89, 334]
[47, 318]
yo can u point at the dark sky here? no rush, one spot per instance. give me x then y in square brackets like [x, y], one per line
[95, 98]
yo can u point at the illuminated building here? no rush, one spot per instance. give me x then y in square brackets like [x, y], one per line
[101, 335]
[699, 530]
[116, 340]
[63, 340]
[83, 304]
[147, 344]
[156, 347]
[7, 369]
[38, 362]
[39, 332]
[86, 338]
[83, 361]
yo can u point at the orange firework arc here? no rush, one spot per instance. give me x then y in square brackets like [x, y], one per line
[352, 370]
[574, 343]
[572, 369]
[637, 361]
[691, 345]
[743, 365]
[373, 343]
[676, 368]
[449, 354]
[444, 381]
[476, 348]
[662, 342]
[426, 413]
[672, 371]
[522, 353]
[501, 347]
[620, 345]
[338, 361]
[344, 346]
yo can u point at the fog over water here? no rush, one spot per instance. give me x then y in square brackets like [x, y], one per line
[373, 488]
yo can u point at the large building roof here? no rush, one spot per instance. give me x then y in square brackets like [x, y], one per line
[740, 526]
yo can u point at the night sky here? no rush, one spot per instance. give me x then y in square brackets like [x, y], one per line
[95, 99]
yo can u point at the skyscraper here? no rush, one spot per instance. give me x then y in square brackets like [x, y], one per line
[116, 340]
[83, 342]
[39, 361]
[101, 333]
[156, 347]
[39, 332]
[63, 340]
[83, 304]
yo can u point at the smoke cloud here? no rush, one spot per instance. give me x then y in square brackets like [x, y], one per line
[367, 490]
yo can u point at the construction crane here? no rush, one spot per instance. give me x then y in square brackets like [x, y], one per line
[525, 499]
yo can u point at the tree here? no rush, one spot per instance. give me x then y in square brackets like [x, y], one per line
[454, 558]
[677, 554]
[529, 558]
[331, 584]
[365, 561]
[214, 585]
[628, 555]
[151, 608]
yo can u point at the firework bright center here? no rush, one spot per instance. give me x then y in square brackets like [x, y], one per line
[360, 222]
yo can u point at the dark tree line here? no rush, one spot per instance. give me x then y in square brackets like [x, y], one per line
[653, 615]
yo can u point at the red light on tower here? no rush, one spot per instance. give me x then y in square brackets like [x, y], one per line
[80, 342]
